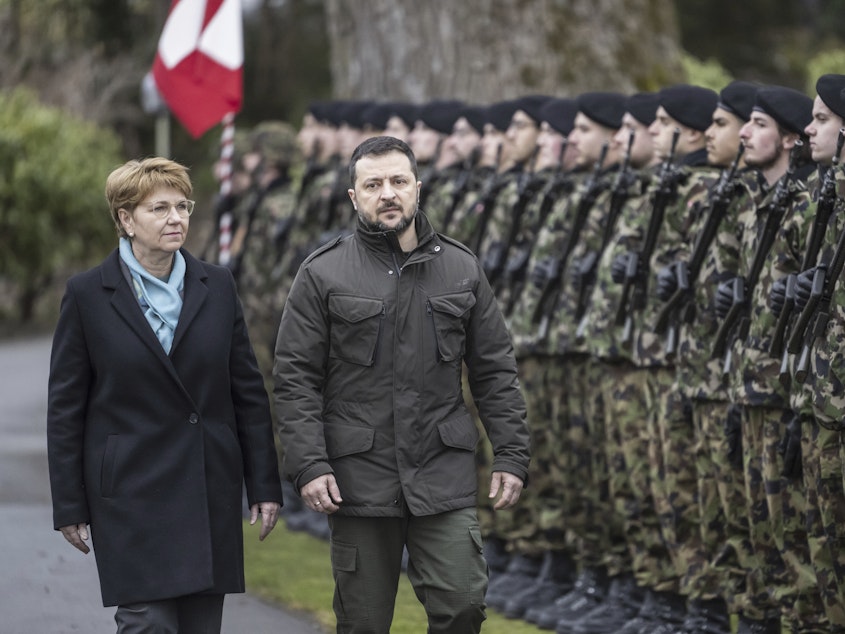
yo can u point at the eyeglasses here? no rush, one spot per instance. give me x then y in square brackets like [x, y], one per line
[161, 208]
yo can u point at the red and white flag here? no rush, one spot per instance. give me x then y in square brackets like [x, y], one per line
[198, 68]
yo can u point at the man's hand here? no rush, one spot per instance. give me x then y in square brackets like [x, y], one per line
[269, 517]
[777, 296]
[511, 487]
[667, 283]
[322, 494]
[77, 535]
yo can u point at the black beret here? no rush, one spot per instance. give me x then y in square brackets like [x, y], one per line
[376, 115]
[499, 114]
[317, 109]
[560, 114]
[792, 109]
[643, 107]
[440, 114]
[531, 105]
[605, 108]
[475, 116]
[831, 89]
[738, 98]
[333, 112]
[351, 113]
[691, 106]
[405, 111]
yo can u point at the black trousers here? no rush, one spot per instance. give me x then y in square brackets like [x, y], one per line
[192, 614]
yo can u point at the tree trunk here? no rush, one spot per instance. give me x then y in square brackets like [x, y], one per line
[488, 50]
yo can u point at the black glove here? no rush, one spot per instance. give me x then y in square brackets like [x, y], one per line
[583, 270]
[777, 297]
[618, 267]
[733, 434]
[667, 283]
[725, 297]
[804, 288]
[790, 449]
[543, 271]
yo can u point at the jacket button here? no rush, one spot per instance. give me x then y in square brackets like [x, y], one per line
[436, 249]
[395, 502]
[193, 419]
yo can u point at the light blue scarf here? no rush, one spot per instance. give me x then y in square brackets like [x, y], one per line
[160, 301]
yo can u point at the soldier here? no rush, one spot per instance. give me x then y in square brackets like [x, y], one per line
[562, 434]
[494, 167]
[713, 580]
[434, 123]
[773, 228]
[608, 568]
[818, 399]
[661, 516]
[266, 233]
[464, 144]
[536, 536]
[500, 220]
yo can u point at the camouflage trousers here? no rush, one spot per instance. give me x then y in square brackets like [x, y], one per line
[674, 479]
[822, 465]
[535, 524]
[721, 503]
[782, 579]
[634, 418]
[590, 517]
[610, 473]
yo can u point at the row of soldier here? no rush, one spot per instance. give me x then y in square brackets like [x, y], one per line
[667, 264]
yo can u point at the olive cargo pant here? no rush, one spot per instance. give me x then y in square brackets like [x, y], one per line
[445, 566]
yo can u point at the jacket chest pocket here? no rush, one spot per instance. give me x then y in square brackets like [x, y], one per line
[450, 313]
[355, 327]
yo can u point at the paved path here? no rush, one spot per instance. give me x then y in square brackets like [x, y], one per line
[46, 586]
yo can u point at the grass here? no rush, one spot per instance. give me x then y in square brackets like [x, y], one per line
[293, 569]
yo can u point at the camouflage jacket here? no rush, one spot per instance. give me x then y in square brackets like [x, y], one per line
[673, 243]
[826, 378]
[439, 193]
[598, 328]
[754, 374]
[699, 375]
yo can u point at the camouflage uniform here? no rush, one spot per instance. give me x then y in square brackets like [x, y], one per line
[725, 550]
[822, 439]
[262, 250]
[783, 579]
[439, 197]
[464, 220]
[671, 526]
[621, 416]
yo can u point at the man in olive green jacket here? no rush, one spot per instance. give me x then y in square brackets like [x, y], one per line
[373, 422]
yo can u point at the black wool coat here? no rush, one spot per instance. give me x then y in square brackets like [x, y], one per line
[152, 449]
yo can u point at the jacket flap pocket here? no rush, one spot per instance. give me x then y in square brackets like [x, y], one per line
[460, 433]
[353, 309]
[344, 440]
[456, 304]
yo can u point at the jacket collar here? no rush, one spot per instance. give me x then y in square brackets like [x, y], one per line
[127, 306]
[387, 242]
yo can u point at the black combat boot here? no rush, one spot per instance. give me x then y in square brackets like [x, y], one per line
[623, 601]
[706, 616]
[661, 611]
[769, 625]
[587, 592]
[554, 580]
[522, 570]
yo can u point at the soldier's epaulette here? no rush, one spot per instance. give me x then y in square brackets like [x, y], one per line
[331, 244]
[456, 243]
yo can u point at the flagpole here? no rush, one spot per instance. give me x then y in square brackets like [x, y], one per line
[163, 134]
[227, 148]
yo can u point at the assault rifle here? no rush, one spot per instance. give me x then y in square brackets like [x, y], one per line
[735, 325]
[619, 194]
[677, 308]
[462, 183]
[824, 209]
[551, 289]
[526, 188]
[638, 266]
[484, 204]
[521, 253]
[817, 310]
